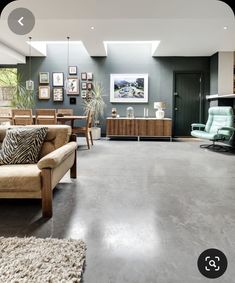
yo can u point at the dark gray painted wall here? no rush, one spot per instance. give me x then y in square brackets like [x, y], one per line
[120, 59]
[214, 68]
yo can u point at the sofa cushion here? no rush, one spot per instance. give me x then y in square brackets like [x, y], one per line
[22, 145]
[15, 178]
[57, 136]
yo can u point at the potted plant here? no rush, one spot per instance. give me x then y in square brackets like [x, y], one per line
[21, 97]
[96, 104]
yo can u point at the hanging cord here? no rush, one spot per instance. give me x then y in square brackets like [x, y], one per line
[68, 55]
[30, 58]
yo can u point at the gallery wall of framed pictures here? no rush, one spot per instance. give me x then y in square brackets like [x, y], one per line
[73, 85]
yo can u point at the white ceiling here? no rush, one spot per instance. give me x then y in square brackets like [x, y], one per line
[183, 27]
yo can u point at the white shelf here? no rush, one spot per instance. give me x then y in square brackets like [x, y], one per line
[217, 96]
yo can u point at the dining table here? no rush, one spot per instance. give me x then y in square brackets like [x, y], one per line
[70, 118]
[60, 119]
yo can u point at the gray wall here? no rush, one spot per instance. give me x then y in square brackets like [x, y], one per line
[120, 59]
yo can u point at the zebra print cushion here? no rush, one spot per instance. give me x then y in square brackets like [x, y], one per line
[22, 145]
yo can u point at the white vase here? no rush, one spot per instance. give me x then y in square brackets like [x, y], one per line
[96, 133]
[160, 114]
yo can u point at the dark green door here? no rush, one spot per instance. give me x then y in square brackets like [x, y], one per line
[187, 102]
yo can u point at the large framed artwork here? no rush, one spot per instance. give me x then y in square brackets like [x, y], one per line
[129, 88]
[73, 86]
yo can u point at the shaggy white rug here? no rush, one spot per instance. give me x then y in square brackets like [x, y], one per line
[31, 260]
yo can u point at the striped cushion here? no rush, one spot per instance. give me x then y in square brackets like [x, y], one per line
[22, 145]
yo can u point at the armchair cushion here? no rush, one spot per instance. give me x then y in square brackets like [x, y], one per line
[56, 157]
[198, 125]
[205, 135]
[22, 145]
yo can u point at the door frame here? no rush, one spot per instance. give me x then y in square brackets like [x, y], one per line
[201, 109]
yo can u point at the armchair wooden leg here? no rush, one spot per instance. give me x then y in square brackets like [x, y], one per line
[91, 137]
[73, 170]
[87, 140]
[46, 193]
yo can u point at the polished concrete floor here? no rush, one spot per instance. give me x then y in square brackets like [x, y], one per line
[145, 209]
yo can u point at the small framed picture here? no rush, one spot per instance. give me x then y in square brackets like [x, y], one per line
[29, 85]
[44, 92]
[89, 76]
[44, 78]
[72, 100]
[89, 86]
[84, 86]
[73, 86]
[83, 76]
[73, 70]
[58, 79]
[58, 94]
[83, 93]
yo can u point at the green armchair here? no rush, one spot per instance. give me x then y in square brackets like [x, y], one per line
[219, 128]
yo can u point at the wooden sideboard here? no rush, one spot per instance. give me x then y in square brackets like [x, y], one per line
[139, 127]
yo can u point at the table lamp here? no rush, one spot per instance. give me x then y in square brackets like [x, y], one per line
[160, 106]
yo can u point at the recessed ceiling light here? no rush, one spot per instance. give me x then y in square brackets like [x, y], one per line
[92, 28]
[225, 27]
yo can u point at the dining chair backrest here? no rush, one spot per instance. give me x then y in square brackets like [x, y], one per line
[5, 116]
[5, 112]
[46, 117]
[65, 112]
[22, 117]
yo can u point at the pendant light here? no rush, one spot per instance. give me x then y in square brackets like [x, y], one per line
[29, 82]
[68, 58]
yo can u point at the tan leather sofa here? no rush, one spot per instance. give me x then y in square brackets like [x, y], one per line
[57, 156]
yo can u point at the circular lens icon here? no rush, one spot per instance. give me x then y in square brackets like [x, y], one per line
[21, 21]
[212, 263]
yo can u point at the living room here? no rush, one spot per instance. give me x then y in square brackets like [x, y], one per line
[136, 181]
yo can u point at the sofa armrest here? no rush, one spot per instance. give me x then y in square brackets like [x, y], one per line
[56, 157]
[198, 125]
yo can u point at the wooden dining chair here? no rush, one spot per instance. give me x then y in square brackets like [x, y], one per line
[46, 117]
[65, 111]
[5, 116]
[22, 117]
[86, 130]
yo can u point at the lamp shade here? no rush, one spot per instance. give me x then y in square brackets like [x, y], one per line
[159, 105]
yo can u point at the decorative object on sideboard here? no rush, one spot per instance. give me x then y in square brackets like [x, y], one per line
[146, 112]
[29, 83]
[114, 112]
[129, 88]
[130, 113]
[159, 106]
